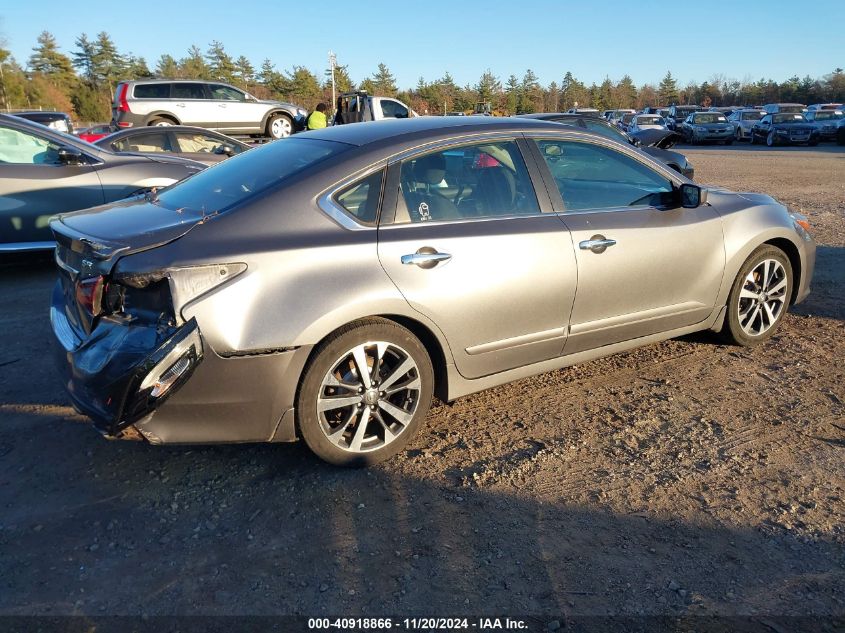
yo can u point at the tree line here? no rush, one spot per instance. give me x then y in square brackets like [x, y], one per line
[83, 83]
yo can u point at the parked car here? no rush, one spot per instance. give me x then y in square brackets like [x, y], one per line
[664, 112]
[349, 274]
[655, 143]
[703, 127]
[784, 128]
[678, 114]
[641, 122]
[743, 120]
[825, 122]
[616, 116]
[195, 143]
[726, 110]
[207, 104]
[54, 120]
[825, 106]
[44, 172]
[840, 132]
[356, 107]
[95, 133]
[587, 111]
[774, 108]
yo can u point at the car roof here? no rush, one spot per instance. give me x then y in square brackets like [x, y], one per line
[394, 129]
[41, 114]
[173, 81]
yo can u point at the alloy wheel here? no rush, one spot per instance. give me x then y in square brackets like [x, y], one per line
[762, 298]
[368, 397]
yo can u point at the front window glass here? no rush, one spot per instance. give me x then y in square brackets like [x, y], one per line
[149, 142]
[20, 148]
[393, 110]
[473, 181]
[236, 180]
[591, 176]
[188, 91]
[226, 93]
[361, 199]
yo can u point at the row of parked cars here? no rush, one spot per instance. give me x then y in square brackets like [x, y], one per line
[772, 124]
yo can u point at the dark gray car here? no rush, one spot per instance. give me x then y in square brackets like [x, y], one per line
[44, 172]
[652, 142]
[328, 285]
[194, 143]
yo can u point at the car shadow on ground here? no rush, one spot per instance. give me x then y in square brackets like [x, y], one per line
[93, 527]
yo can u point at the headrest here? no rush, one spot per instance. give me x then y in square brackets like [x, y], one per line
[430, 169]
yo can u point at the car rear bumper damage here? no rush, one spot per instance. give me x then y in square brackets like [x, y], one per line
[167, 385]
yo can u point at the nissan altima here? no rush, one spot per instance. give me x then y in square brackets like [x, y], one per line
[327, 286]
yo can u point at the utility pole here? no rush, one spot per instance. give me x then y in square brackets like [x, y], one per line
[332, 64]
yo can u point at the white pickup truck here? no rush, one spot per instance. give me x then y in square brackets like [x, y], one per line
[354, 107]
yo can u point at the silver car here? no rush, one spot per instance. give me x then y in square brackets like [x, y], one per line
[706, 127]
[207, 104]
[743, 120]
[327, 286]
[826, 122]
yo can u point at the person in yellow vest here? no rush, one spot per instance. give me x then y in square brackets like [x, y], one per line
[317, 119]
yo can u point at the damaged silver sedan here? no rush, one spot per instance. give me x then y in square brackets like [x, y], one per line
[328, 286]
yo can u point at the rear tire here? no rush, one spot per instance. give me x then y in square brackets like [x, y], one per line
[759, 297]
[353, 418]
[161, 122]
[752, 139]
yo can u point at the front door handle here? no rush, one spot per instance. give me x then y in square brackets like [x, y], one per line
[598, 244]
[425, 257]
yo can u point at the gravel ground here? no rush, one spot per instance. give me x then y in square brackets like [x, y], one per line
[682, 478]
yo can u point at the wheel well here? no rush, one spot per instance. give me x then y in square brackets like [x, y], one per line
[794, 260]
[432, 345]
[273, 113]
[169, 117]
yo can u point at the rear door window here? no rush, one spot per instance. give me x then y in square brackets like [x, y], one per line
[152, 142]
[481, 180]
[361, 199]
[152, 91]
[188, 91]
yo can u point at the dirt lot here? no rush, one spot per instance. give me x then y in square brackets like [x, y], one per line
[682, 478]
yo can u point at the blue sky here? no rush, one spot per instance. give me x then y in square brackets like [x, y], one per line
[466, 37]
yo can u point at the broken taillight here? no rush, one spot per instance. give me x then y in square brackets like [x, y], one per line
[89, 294]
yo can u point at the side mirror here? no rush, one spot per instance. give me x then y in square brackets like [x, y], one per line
[69, 156]
[249, 97]
[692, 196]
[225, 149]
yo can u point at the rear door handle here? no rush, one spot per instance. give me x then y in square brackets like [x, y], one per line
[426, 257]
[180, 105]
[597, 244]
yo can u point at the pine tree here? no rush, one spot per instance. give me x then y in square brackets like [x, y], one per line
[488, 87]
[47, 60]
[108, 65]
[532, 93]
[83, 58]
[513, 94]
[383, 82]
[244, 72]
[193, 66]
[167, 67]
[667, 91]
[220, 64]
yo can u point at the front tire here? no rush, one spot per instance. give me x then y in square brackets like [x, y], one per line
[279, 126]
[365, 393]
[770, 140]
[759, 297]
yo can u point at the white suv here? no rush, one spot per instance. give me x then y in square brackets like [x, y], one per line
[208, 104]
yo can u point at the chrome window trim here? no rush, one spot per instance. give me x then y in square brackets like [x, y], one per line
[489, 218]
[328, 205]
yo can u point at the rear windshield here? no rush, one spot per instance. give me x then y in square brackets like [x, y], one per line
[790, 108]
[152, 91]
[649, 120]
[239, 178]
[788, 118]
[827, 115]
[753, 116]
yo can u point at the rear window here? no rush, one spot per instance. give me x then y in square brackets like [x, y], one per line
[188, 91]
[151, 91]
[237, 179]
